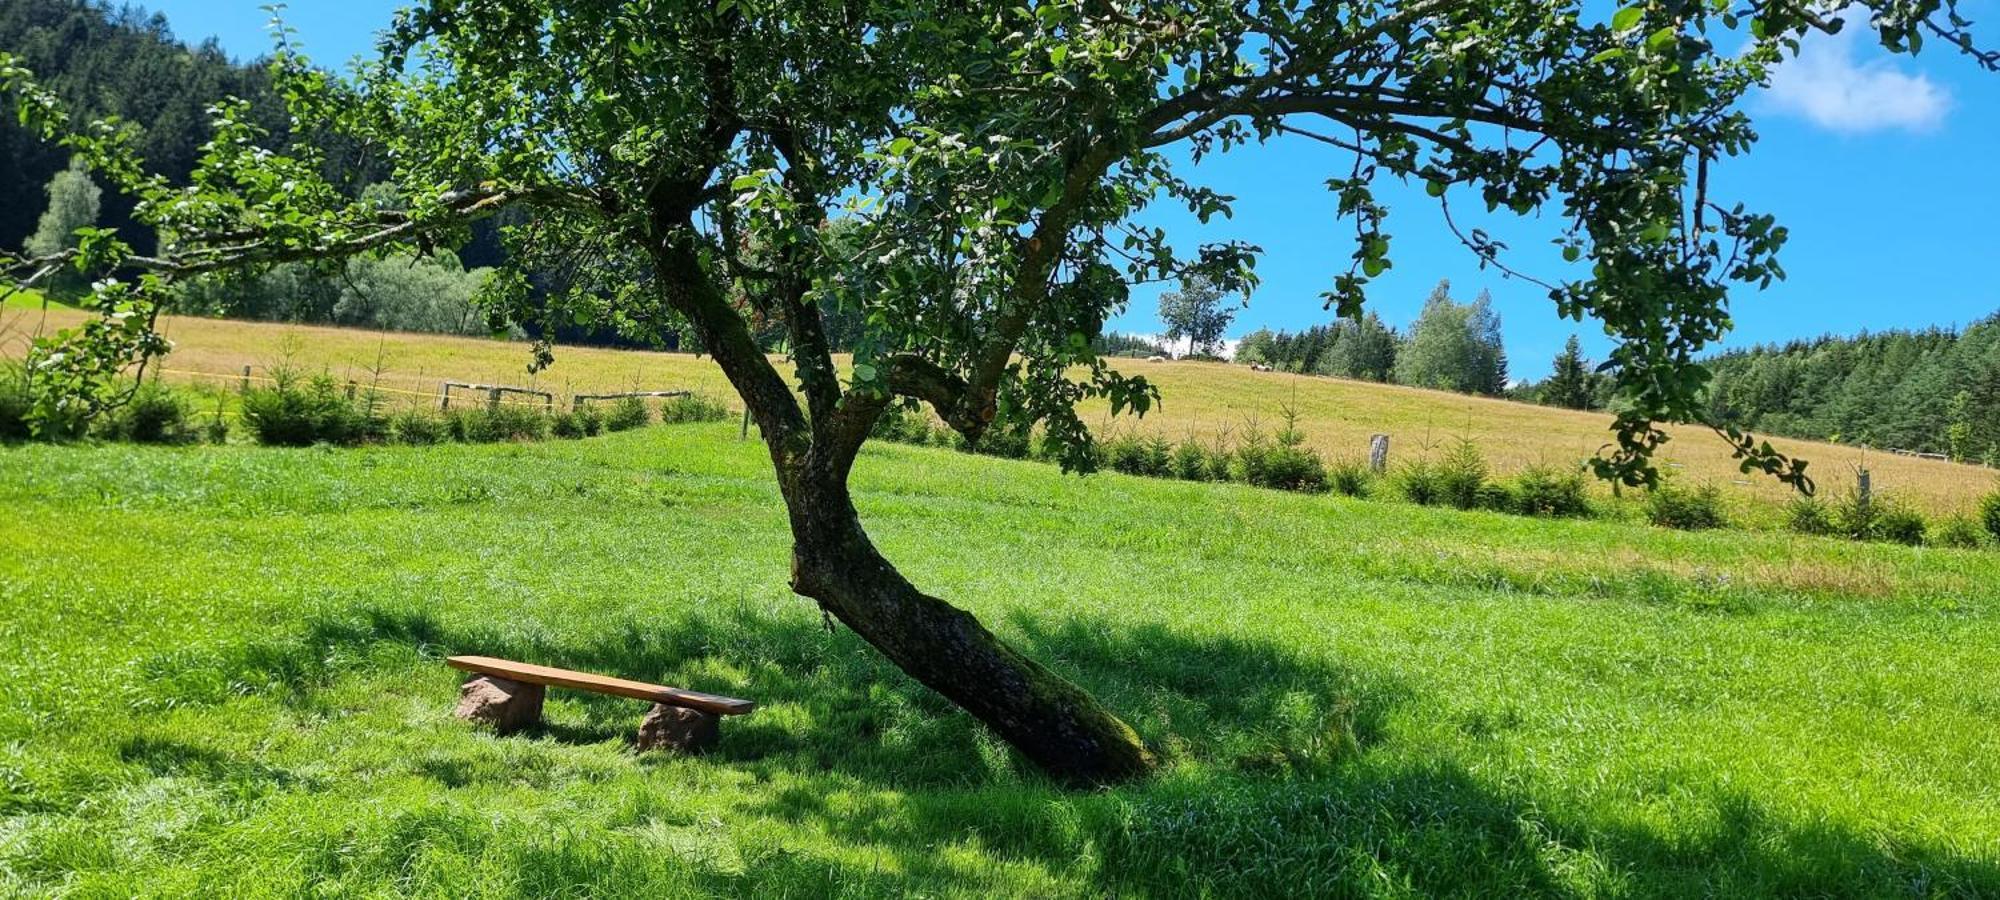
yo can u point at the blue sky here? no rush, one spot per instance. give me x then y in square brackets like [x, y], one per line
[1883, 168]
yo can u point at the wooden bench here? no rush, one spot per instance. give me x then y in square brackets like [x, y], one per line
[508, 695]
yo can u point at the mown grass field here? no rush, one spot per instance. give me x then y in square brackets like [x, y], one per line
[220, 675]
[1205, 399]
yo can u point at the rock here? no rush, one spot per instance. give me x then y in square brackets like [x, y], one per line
[508, 706]
[678, 728]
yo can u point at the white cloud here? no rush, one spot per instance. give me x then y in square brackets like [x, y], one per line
[1829, 85]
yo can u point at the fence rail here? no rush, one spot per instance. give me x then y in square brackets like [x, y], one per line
[577, 401]
[494, 394]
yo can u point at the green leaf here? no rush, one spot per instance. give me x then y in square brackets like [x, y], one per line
[1627, 18]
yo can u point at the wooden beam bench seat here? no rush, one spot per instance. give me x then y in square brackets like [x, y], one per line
[508, 695]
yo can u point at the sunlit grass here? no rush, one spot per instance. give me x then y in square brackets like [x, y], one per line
[219, 675]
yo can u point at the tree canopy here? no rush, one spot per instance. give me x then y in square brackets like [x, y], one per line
[1197, 313]
[1454, 346]
[73, 204]
[683, 163]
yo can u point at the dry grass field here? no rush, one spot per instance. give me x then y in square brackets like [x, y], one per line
[1198, 398]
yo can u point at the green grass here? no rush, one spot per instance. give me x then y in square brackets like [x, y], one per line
[220, 676]
[29, 300]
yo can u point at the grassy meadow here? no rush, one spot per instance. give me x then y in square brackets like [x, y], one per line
[1205, 399]
[222, 677]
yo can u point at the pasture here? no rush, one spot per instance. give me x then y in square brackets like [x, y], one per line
[1202, 399]
[222, 677]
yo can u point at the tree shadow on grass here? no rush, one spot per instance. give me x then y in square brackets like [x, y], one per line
[828, 702]
[1282, 780]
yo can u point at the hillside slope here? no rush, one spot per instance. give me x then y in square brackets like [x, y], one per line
[1205, 399]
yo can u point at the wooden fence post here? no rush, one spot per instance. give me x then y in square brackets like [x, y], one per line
[246, 380]
[493, 399]
[1378, 453]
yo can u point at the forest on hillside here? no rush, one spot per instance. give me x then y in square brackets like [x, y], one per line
[120, 60]
[1931, 391]
[104, 60]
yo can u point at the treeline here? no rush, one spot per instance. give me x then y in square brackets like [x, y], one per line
[103, 60]
[1452, 346]
[1932, 391]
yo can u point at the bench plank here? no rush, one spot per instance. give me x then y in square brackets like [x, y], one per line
[602, 684]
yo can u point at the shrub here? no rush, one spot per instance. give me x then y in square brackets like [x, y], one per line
[1289, 468]
[507, 422]
[1138, 456]
[1808, 515]
[153, 415]
[628, 413]
[1496, 497]
[1959, 531]
[216, 429]
[1542, 491]
[1989, 514]
[1190, 461]
[1672, 506]
[902, 425]
[1350, 477]
[1008, 437]
[1417, 481]
[1221, 460]
[1878, 519]
[17, 401]
[467, 426]
[1461, 475]
[1901, 524]
[14, 404]
[294, 414]
[1856, 517]
[1158, 456]
[944, 436]
[568, 425]
[513, 422]
[688, 408]
[1251, 459]
[1287, 465]
[417, 427]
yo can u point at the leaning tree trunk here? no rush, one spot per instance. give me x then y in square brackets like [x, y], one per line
[1059, 726]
